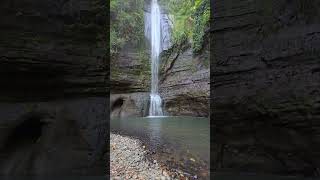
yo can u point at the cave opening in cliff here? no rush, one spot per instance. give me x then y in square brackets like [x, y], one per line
[117, 104]
[25, 133]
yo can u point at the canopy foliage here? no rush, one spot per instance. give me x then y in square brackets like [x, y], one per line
[190, 20]
[126, 23]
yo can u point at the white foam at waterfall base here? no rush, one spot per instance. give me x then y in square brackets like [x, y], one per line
[155, 103]
[155, 99]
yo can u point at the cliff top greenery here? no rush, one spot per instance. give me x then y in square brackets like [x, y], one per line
[190, 19]
[127, 22]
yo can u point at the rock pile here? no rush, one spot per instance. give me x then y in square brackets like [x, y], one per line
[127, 160]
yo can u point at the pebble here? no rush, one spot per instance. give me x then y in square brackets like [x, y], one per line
[135, 176]
[195, 177]
[127, 160]
[165, 173]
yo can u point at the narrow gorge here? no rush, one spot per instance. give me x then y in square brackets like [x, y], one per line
[160, 88]
[183, 75]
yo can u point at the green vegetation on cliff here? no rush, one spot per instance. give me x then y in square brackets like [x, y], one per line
[126, 22]
[127, 44]
[190, 20]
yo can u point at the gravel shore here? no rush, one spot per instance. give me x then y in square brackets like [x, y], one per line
[128, 160]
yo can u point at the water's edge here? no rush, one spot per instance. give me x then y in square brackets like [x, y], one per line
[178, 143]
[152, 154]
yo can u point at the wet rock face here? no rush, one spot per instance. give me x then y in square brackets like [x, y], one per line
[130, 70]
[53, 138]
[52, 49]
[184, 81]
[129, 105]
[52, 61]
[265, 81]
[130, 83]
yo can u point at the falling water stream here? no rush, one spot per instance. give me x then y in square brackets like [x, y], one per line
[155, 99]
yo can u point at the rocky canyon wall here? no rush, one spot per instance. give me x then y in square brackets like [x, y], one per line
[184, 77]
[130, 82]
[265, 85]
[53, 95]
[184, 80]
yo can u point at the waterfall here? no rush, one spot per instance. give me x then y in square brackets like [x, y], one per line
[155, 99]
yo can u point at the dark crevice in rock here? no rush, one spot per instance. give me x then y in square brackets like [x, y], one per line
[184, 80]
[168, 61]
[25, 133]
[167, 71]
[117, 104]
